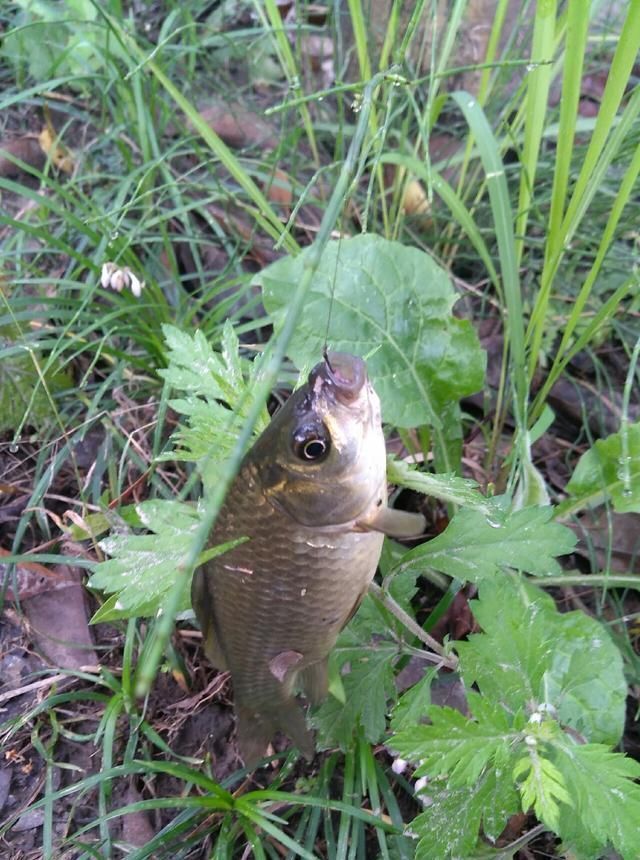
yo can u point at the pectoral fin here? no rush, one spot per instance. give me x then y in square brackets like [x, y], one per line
[282, 665]
[398, 524]
[203, 607]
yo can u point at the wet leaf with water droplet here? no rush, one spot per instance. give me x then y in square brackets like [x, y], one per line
[608, 471]
[476, 546]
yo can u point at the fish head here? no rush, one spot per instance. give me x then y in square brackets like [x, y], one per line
[323, 459]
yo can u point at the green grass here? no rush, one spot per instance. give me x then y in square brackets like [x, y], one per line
[535, 214]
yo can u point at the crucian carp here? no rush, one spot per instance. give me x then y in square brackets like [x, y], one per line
[311, 496]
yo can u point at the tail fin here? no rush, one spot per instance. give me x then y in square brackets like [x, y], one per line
[256, 730]
[315, 682]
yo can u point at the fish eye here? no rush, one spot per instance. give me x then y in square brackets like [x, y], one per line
[311, 443]
[314, 449]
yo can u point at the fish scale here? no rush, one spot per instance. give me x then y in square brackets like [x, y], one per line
[299, 568]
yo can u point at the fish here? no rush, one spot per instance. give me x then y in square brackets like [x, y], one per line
[311, 497]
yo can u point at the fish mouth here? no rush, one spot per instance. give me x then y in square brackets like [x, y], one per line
[344, 374]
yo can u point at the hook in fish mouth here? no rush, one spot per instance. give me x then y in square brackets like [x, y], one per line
[345, 373]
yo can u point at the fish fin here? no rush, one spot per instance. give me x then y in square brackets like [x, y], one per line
[254, 735]
[256, 730]
[202, 603]
[355, 606]
[400, 524]
[315, 682]
[291, 720]
[282, 665]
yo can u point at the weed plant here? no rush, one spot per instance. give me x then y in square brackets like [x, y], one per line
[532, 215]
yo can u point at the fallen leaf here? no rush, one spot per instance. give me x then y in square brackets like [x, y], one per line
[59, 155]
[59, 622]
[279, 189]
[26, 149]
[238, 126]
[414, 200]
[31, 579]
[136, 826]
[614, 540]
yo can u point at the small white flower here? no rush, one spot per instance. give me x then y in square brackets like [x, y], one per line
[136, 285]
[105, 276]
[118, 280]
[399, 765]
[115, 278]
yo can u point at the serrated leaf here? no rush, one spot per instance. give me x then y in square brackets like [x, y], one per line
[414, 704]
[449, 827]
[391, 304]
[368, 687]
[608, 471]
[448, 488]
[215, 402]
[605, 796]
[143, 568]
[542, 787]
[475, 547]
[454, 745]
[509, 659]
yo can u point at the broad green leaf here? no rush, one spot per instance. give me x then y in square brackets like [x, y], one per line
[586, 681]
[93, 525]
[144, 567]
[565, 665]
[475, 547]
[605, 797]
[393, 305]
[610, 471]
[447, 488]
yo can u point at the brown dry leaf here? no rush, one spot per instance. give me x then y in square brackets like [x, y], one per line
[59, 155]
[26, 149]
[414, 199]
[32, 578]
[59, 621]
[136, 826]
[621, 532]
[237, 126]
[279, 190]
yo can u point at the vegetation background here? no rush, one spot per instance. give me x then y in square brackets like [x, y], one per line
[167, 169]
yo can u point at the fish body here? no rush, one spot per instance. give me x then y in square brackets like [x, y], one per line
[307, 496]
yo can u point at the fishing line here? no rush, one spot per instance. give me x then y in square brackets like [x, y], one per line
[325, 348]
